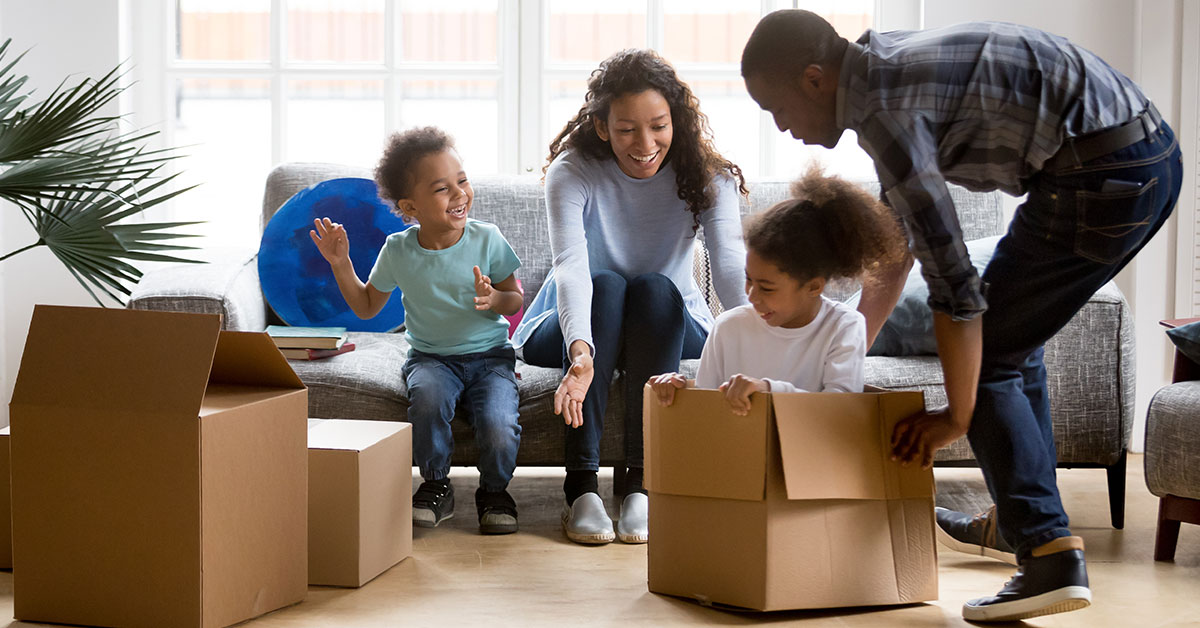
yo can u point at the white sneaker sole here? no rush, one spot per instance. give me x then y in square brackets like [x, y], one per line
[1056, 601]
[633, 539]
[970, 548]
[586, 539]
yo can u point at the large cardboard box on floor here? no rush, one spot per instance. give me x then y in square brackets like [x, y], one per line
[159, 471]
[796, 505]
[359, 499]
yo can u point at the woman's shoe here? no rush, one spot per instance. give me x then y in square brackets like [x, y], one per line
[632, 526]
[585, 521]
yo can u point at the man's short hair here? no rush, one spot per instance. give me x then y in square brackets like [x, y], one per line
[787, 41]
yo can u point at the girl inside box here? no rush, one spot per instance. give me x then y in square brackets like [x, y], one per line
[791, 337]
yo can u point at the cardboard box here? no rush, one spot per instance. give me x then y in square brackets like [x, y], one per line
[794, 506]
[159, 471]
[5, 504]
[359, 499]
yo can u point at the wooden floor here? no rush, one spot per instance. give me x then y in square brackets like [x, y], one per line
[457, 577]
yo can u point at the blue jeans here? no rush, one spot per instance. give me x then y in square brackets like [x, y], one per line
[640, 325]
[1078, 227]
[488, 384]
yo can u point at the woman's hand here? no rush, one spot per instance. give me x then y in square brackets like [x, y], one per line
[331, 240]
[665, 386]
[568, 398]
[738, 390]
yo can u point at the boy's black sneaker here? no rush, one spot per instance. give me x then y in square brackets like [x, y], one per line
[1052, 580]
[973, 535]
[433, 503]
[497, 512]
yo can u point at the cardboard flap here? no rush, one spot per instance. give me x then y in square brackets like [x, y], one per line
[836, 445]
[697, 447]
[350, 435]
[251, 359]
[110, 358]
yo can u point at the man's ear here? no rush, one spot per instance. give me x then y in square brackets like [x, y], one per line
[812, 80]
[601, 127]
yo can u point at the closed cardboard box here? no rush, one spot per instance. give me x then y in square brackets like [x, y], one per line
[159, 472]
[795, 506]
[359, 499]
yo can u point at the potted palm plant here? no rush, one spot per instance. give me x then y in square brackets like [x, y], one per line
[77, 178]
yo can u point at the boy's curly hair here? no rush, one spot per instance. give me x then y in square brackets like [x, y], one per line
[394, 173]
[831, 228]
[695, 160]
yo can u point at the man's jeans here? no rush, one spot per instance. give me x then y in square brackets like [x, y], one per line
[488, 384]
[640, 324]
[1078, 227]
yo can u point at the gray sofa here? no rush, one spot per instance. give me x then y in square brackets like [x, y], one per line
[1090, 362]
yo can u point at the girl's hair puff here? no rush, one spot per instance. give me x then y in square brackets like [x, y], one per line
[831, 228]
[692, 154]
[395, 171]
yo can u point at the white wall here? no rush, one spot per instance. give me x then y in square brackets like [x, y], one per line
[1141, 39]
[64, 37]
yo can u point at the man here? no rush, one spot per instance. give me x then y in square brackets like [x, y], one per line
[987, 106]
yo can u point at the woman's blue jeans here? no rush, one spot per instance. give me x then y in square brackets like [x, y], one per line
[1078, 227]
[640, 325]
[486, 382]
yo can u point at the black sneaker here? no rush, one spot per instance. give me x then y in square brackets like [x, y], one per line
[497, 512]
[1043, 585]
[973, 535]
[433, 503]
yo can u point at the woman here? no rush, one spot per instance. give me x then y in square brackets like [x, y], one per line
[629, 181]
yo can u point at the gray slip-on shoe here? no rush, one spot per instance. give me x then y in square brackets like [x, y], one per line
[585, 521]
[631, 525]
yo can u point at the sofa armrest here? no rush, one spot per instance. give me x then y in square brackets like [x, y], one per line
[229, 287]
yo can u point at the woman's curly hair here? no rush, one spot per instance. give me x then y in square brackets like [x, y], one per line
[831, 228]
[393, 175]
[633, 71]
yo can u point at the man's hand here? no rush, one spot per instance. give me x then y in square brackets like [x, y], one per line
[331, 240]
[918, 437]
[665, 386]
[483, 291]
[738, 390]
[568, 398]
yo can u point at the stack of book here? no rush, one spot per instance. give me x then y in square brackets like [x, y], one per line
[309, 343]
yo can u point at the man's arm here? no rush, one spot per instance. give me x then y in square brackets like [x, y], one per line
[881, 290]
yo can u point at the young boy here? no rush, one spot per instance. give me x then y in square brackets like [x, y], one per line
[444, 267]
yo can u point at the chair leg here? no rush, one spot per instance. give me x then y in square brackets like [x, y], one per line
[1168, 532]
[1116, 491]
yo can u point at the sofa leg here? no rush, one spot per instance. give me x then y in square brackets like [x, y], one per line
[618, 481]
[1171, 511]
[1116, 491]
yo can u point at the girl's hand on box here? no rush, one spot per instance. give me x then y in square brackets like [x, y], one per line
[665, 386]
[738, 390]
[331, 240]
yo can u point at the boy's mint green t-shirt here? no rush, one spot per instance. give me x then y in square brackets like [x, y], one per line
[438, 288]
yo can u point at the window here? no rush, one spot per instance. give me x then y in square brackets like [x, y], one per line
[248, 84]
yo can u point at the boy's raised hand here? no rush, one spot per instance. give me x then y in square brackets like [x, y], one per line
[738, 390]
[331, 240]
[665, 385]
[483, 291]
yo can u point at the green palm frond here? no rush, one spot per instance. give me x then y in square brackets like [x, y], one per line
[75, 178]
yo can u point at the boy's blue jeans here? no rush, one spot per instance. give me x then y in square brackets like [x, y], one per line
[1077, 228]
[487, 383]
[640, 324]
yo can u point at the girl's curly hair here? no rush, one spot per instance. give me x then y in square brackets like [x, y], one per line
[831, 228]
[633, 71]
[395, 171]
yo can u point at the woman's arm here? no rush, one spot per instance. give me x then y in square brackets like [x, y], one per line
[723, 238]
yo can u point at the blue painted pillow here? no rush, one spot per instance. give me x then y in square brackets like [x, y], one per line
[297, 281]
[909, 328]
[1187, 340]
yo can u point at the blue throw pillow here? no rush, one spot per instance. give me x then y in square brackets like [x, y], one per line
[909, 328]
[1187, 340]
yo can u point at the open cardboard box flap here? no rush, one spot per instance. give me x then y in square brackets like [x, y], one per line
[832, 444]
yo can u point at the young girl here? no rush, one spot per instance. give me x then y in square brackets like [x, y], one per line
[444, 267]
[791, 338]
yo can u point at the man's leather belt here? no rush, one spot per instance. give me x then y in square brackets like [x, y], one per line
[1080, 150]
